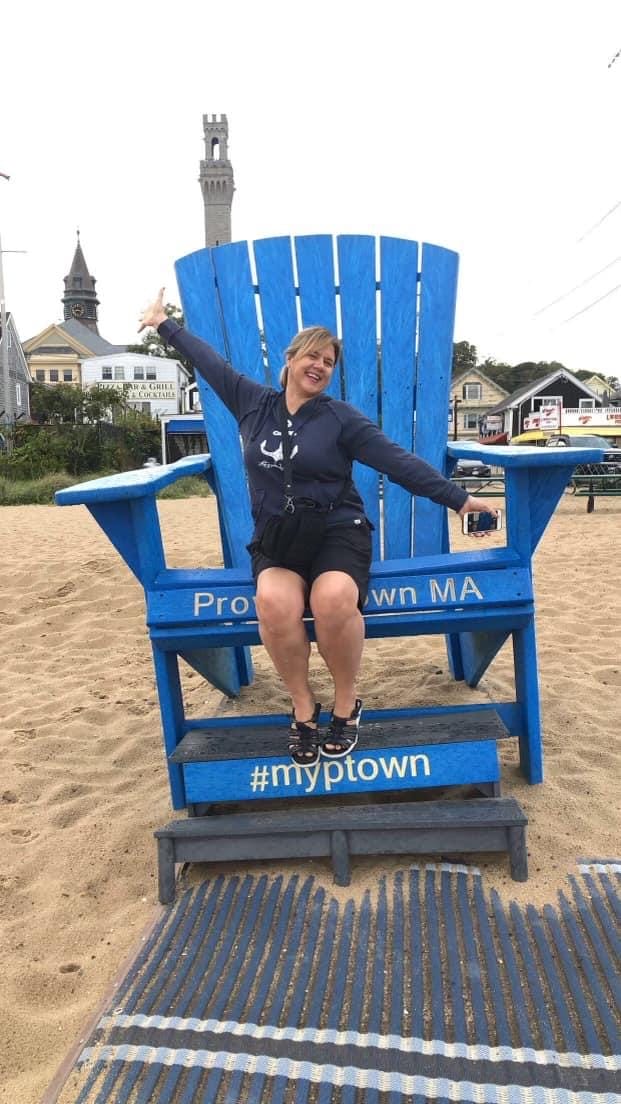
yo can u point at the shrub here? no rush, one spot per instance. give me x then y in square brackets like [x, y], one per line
[80, 448]
[186, 488]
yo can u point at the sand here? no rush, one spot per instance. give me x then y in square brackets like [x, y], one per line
[83, 778]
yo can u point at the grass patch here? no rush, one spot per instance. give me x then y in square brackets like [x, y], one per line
[40, 492]
[189, 486]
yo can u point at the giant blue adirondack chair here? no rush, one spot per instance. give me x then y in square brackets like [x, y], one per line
[393, 302]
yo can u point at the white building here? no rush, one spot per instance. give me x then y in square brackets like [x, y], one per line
[153, 385]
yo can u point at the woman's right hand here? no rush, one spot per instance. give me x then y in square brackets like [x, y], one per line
[154, 314]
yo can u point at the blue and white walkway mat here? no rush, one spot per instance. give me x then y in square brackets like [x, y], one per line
[254, 990]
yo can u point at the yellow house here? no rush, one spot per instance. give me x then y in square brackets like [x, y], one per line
[600, 386]
[55, 355]
[472, 394]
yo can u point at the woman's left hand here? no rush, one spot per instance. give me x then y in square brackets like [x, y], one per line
[479, 506]
[154, 314]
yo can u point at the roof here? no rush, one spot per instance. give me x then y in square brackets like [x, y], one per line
[97, 345]
[79, 268]
[516, 397]
[477, 371]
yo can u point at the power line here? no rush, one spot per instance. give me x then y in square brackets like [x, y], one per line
[603, 219]
[612, 60]
[593, 304]
[576, 288]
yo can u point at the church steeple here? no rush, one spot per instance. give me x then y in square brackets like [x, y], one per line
[80, 299]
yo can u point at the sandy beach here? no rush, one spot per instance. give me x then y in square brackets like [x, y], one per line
[84, 782]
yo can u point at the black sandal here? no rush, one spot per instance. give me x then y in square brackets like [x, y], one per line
[304, 740]
[343, 733]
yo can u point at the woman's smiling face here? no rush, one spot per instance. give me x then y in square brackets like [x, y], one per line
[310, 373]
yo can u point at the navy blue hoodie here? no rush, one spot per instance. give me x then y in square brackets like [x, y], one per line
[326, 436]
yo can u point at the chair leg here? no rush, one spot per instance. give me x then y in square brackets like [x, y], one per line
[527, 693]
[453, 651]
[173, 718]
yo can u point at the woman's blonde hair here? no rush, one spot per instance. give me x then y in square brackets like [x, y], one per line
[310, 338]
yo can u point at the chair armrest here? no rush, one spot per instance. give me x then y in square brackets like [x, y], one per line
[525, 456]
[132, 484]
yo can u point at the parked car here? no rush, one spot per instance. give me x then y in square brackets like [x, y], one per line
[610, 464]
[475, 468]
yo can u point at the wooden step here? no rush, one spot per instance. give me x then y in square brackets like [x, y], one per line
[247, 761]
[248, 740]
[405, 828]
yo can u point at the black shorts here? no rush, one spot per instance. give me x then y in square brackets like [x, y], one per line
[345, 548]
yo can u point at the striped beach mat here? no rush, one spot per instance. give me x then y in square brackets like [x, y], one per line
[426, 988]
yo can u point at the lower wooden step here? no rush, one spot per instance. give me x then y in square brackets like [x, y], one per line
[410, 828]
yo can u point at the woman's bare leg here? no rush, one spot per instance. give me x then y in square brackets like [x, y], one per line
[339, 626]
[281, 600]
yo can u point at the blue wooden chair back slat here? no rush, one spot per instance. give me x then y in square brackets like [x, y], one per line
[399, 289]
[237, 299]
[201, 307]
[317, 286]
[356, 261]
[434, 359]
[277, 296]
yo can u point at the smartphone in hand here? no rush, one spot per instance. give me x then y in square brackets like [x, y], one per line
[481, 522]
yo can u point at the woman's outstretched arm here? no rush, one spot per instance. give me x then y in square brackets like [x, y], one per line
[237, 391]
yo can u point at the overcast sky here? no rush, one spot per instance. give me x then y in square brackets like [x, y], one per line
[488, 126]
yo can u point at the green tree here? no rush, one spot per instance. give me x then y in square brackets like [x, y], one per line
[464, 357]
[99, 399]
[65, 402]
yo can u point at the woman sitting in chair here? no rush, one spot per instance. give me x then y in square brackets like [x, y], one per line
[311, 481]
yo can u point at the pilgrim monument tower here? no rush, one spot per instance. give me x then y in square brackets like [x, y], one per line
[216, 180]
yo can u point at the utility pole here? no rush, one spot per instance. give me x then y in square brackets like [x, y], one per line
[6, 379]
[6, 375]
[456, 403]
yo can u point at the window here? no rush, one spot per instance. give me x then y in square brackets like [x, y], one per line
[18, 394]
[547, 400]
[119, 372]
[471, 421]
[471, 391]
[68, 375]
[586, 404]
[151, 373]
[138, 373]
[106, 372]
[40, 375]
[53, 375]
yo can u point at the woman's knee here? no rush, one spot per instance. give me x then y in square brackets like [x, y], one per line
[334, 597]
[280, 598]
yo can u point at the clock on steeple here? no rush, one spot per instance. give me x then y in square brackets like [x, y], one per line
[80, 299]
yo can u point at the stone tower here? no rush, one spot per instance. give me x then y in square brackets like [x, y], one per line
[216, 180]
[80, 299]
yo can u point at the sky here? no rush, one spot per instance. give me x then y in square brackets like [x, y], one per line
[487, 126]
